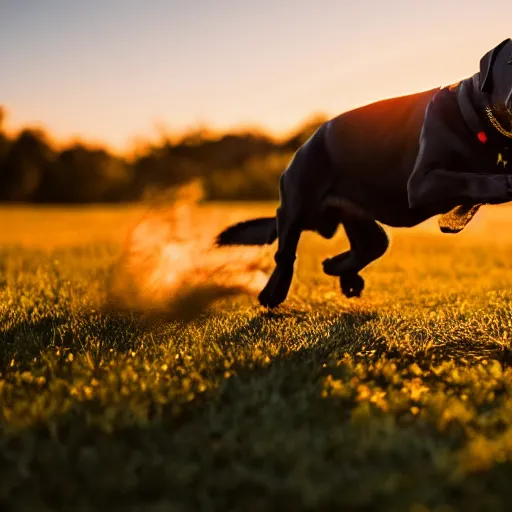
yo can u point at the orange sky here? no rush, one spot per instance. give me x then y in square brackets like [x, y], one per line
[113, 71]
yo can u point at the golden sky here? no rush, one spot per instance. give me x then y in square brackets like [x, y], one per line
[113, 71]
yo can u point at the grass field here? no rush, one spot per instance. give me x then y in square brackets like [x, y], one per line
[398, 401]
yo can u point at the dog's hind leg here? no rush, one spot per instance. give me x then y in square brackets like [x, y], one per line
[368, 241]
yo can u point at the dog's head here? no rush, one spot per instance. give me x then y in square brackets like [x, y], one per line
[496, 78]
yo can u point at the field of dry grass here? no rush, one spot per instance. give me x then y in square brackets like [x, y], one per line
[399, 400]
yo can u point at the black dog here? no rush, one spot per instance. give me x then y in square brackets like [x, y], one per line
[398, 161]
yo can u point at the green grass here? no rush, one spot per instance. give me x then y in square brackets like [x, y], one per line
[397, 401]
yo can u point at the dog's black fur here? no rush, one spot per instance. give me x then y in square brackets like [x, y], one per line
[399, 162]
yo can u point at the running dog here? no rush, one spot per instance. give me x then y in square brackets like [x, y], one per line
[397, 162]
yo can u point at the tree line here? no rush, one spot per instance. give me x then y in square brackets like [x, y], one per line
[242, 166]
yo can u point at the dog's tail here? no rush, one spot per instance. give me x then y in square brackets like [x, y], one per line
[251, 232]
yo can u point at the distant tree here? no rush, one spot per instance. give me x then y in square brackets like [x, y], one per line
[233, 166]
[228, 151]
[4, 142]
[25, 162]
[83, 175]
[161, 168]
[256, 180]
[4, 150]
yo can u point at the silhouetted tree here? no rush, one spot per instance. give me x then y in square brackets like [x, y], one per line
[161, 168]
[256, 180]
[26, 161]
[241, 166]
[4, 142]
[82, 175]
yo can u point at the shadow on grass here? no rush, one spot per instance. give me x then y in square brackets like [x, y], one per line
[370, 335]
[267, 436]
[22, 343]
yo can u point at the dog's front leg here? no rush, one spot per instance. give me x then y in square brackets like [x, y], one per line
[289, 229]
[301, 189]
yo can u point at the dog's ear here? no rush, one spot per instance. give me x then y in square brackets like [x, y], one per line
[486, 63]
[458, 218]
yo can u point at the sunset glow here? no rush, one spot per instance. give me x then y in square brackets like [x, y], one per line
[118, 71]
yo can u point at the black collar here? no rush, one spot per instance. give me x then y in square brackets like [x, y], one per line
[467, 92]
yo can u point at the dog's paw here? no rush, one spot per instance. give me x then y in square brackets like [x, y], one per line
[267, 300]
[352, 285]
[277, 288]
